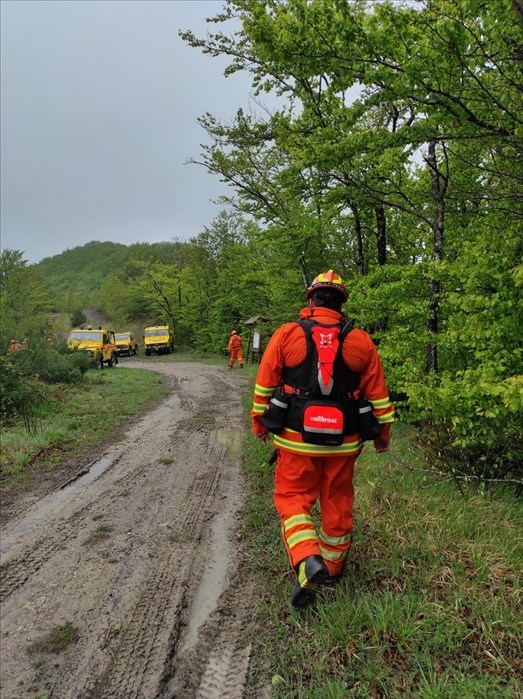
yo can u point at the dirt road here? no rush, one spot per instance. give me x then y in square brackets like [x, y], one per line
[136, 559]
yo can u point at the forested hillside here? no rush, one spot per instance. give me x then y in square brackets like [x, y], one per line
[396, 160]
[77, 275]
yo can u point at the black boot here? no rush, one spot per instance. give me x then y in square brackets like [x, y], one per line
[312, 572]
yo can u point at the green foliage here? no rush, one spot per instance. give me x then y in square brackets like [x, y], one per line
[477, 423]
[26, 374]
[24, 299]
[394, 159]
[52, 363]
[76, 275]
[20, 396]
[70, 422]
[78, 318]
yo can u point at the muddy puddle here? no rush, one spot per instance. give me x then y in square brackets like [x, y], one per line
[215, 575]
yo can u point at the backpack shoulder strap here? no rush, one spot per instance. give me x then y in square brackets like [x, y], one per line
[349, 378]
[347, 328]
[299, 376]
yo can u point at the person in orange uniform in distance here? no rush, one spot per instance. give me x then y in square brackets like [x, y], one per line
[316, 374]
[235, 349]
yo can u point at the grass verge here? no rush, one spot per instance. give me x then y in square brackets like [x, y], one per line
[183, 354]
[429, 607]
[76, 418]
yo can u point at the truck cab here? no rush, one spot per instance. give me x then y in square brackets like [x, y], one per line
[99, 344]
[158, 339]
[125, 344]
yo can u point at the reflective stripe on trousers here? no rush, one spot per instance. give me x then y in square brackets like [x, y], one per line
[300, 480]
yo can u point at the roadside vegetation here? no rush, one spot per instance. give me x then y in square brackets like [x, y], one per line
[55, 406]
[430, 604]
[68, 419]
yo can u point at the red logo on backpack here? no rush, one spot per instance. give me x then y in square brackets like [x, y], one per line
[323, 419]
[327, 347]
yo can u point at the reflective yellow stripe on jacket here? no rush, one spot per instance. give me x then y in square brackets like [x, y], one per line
[383, 410]
[290, 440]
[262, 395]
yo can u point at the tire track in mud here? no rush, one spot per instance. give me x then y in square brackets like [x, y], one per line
[227, 666]
[167, 503]
[217, 667]
[28, 561]
[139, 658]
[226, 673]
[138, 664]
[62, 481]
[15, 572]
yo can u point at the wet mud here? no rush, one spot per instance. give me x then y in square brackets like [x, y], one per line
[136, 554]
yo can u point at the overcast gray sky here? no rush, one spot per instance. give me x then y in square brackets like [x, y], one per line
[99, 101]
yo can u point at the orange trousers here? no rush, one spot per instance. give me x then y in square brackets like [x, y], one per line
[236, 354]
[301, 480]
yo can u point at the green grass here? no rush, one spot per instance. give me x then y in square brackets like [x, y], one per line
[429, 608]
[75, 419]
[99, 534]
[184, 354]
[56, 640]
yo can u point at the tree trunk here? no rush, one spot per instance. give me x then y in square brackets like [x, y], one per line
[439, 183]
[303, 272]
[360, 255]
[381, 234]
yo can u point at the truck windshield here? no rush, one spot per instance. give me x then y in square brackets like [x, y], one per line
[156, 332]
[122, 336]
[83, 336]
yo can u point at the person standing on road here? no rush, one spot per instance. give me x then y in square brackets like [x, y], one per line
[235, 349]
[321, 391]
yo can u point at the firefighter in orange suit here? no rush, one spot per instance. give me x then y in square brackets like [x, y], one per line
[349, 370]
[235, 349]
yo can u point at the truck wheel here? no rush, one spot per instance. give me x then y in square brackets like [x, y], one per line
[100, 362]
[147, 353]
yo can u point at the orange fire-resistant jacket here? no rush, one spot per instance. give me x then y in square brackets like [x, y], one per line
[235, 342]
[288, 347]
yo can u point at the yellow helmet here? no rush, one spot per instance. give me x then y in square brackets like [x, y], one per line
[328, 280]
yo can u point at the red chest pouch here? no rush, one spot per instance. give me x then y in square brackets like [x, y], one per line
[323, 422]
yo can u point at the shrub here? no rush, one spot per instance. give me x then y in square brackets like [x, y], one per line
[19, 395]
[473, 424]
[52, 364]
